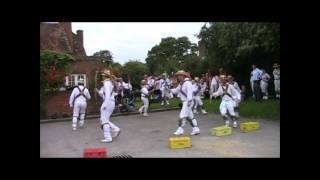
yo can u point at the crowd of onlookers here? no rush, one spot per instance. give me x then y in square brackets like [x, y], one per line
[160, 85]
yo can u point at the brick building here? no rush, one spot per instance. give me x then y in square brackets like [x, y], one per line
[59, 37]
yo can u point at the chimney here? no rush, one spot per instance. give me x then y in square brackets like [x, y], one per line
[67, 28]
[80, 48]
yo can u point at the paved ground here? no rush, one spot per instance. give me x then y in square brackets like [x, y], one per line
[148, 137]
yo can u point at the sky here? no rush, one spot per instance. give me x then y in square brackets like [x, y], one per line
[132, 40]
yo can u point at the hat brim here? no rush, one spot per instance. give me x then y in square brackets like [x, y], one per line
[182, 73]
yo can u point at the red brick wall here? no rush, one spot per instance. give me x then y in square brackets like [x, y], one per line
[59, 37]
[58, 105]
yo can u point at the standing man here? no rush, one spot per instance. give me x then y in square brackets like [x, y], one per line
[198, 92]
[185, 92]
[214, 85]
[276, 76]
[256, 77]
[165, 89]
[78, 100]
[144, 98]
[157, 85]
[251, 84]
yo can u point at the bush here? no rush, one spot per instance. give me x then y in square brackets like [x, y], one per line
[53, 67]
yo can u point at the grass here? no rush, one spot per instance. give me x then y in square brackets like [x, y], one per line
[269, 109]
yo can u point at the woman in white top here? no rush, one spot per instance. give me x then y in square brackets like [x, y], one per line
[107, 92]
[265, 77]
[144, 98]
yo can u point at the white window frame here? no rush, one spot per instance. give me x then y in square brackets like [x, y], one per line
[72, 79]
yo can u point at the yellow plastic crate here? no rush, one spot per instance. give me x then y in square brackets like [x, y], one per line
[179, 142]
[249, 126]
[221, 131]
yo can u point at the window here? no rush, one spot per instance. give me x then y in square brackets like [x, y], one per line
[73, 80]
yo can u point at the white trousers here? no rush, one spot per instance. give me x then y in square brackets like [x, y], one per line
[105, 113]
[79, 109]
[198, 101]
[186, 112]
[214, 87]
[277, 85]
[264, 87]
[145, 105]
[251, 85]
[227, 106]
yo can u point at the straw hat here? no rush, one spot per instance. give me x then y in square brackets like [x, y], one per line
[182, 72]
[275, 65]
[107, 74]
[143, 82]
[223, 77]
[230, 77]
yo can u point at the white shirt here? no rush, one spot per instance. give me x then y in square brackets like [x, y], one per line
[265, 77]
[197, 89]
[231, 90]
[214, 82]
[161, 84]
[187, 88]
[157, 84]
[256, 74]
[203, 88]
[75, 93]
[107, 91]
[276, 74]
[236, 86]
[150, 83]
[144, 91]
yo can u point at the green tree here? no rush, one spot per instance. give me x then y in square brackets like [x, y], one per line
[235, 46]
[53, 68]
[104, 54]
[166, 56]
[135, 70]
[116, 68]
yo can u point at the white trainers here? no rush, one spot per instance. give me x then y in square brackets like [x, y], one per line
[235, 124]
[106, 140]
[168, 103]
[81, 125]
[227, 122]
[195, 131]
[115, 133]
[179, 131]
[74, 126]
[162, 103]
[204, 111]
[145, 114]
